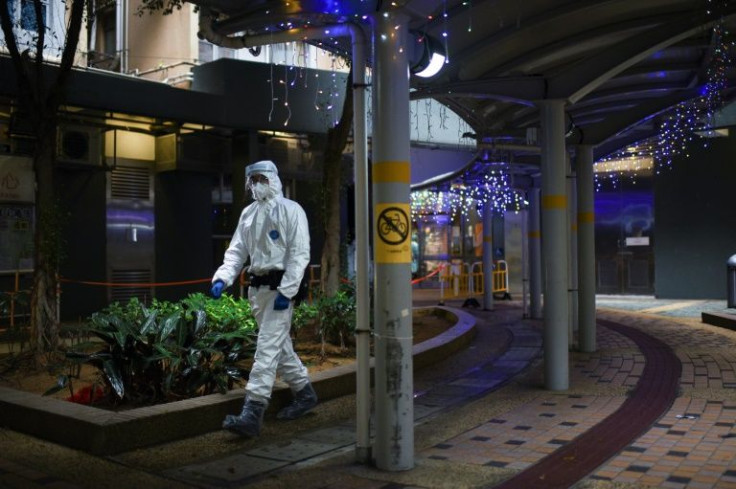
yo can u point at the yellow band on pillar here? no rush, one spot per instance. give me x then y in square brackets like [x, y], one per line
[392, 172]
[488, 239]
[554, 202]
[535, 234]
[586, 217]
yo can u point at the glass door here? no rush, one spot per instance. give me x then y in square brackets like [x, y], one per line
[624, 236]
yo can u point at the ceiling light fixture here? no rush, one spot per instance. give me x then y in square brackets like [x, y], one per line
[428, 55]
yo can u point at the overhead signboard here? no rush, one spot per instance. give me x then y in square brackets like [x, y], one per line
[16, 179]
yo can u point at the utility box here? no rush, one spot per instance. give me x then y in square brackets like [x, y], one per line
[731, 286]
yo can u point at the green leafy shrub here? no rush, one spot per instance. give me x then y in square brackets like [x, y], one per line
[225, 314]
[305, 316]
[197, 346]
[169, 351]
[337, 317]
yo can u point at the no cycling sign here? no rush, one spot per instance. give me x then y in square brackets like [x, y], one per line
[392, 227]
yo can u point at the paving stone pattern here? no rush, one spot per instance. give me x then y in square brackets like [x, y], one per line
[690, 444]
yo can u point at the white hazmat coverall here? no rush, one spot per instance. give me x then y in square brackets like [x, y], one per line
[272, 231]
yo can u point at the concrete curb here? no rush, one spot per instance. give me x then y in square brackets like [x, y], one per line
[103, 432]
[722, 320]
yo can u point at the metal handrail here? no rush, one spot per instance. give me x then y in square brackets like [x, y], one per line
[16, 290]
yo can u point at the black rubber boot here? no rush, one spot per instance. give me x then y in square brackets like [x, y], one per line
[248, 423]
[303, 402]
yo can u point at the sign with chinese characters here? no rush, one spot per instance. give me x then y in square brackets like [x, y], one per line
[16, 237]
[637, 241]
[16, 179]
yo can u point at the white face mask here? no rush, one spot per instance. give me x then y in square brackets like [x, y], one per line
[260, 191]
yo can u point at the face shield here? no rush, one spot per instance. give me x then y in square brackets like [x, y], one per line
[262, 180]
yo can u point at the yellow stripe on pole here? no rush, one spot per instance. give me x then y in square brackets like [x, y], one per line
[488, 239]
[535, 234]
[586, 217]
[554, 202]
[392, 172]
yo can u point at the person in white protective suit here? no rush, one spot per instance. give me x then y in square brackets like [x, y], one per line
[272, 231]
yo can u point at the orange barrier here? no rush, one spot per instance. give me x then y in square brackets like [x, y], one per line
[313, 279]
[430, 275]
[464, 282]
[152, 284]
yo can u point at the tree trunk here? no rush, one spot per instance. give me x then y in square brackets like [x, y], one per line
[336, 140]
[39, 100]
[330, 270]
[47, 239]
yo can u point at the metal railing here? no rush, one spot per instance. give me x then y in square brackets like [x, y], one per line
[13, 312]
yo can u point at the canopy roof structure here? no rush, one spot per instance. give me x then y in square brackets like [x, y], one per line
[619, 64]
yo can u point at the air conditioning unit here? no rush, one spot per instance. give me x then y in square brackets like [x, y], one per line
[288, 155]
[22, 140]
[79, 146]
[192, 152]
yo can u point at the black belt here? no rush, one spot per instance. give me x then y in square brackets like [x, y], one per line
[272, 279]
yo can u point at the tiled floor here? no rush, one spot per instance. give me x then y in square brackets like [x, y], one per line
[692, 443]
[523, 436]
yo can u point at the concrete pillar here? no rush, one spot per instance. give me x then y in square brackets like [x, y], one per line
[394, 404]
[535, 254]
[488, 256]
[586, 249]
[554, 244]
[525, 263]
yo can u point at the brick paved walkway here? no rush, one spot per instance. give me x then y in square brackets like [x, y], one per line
[691, 444]
[14, 475]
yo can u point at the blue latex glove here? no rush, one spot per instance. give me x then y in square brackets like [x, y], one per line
[281, 302]
[217, 289]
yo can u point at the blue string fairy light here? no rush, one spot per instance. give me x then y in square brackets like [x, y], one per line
[680, 127]
[469, 194]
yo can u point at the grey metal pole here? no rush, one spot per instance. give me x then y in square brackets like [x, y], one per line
[535, 255]
[362, 258]
[394, 443]
[487, 256]
[572, 253]
[525, 263]
[586, 249]
[554, 244]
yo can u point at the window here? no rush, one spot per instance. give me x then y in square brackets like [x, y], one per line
[206, 52]
[107, 21]
[28, 20]
[24, 13]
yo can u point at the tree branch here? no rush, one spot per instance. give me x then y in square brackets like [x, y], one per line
[72, 40]
[40, 41]
[11, 44]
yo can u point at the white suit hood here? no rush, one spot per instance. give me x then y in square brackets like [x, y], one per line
[268, 169]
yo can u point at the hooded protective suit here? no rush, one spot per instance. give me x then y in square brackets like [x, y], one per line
[272, 231]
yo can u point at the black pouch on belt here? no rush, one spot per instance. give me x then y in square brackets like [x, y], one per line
[272, 279]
